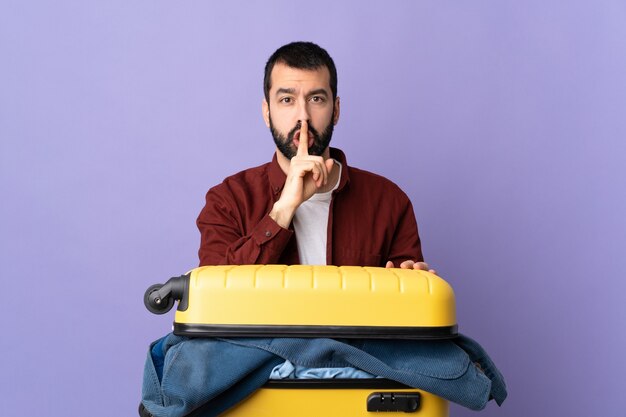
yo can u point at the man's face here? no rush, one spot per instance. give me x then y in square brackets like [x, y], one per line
[298, 95]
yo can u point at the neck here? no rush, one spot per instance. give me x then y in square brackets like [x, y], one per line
[333, 179]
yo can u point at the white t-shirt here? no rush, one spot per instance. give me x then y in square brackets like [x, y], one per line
[311, 226]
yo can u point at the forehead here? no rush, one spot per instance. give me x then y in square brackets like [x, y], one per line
[283, 76]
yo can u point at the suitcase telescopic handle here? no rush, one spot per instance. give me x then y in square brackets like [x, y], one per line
[159, 298]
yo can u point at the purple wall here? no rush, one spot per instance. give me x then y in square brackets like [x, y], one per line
[505, 122]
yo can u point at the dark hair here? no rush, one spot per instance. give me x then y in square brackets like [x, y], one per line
[300, 55]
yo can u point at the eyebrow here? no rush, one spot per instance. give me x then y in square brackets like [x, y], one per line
[319, 91]
[285, 91]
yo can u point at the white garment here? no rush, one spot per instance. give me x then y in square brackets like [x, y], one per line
[288, 370]
[311, 226]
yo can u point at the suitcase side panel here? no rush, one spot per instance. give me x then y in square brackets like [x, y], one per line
[270, 402]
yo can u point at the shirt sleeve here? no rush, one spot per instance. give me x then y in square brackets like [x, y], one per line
[223, 240]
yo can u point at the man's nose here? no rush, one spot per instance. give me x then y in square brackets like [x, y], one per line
[303, 110]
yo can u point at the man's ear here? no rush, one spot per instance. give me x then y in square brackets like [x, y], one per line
[266, 113]
[336, 111]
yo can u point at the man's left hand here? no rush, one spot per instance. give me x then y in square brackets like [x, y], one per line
[412, 265]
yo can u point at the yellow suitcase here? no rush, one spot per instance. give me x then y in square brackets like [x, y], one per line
[315, 301]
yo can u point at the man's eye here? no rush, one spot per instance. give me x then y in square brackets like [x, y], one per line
[286, 100]
[317, 99]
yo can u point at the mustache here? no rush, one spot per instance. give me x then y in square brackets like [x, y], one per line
[298, 126]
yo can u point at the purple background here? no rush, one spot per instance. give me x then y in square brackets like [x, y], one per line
[504, 121]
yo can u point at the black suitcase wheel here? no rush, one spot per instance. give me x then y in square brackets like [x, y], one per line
[154, 303]
[143, 412]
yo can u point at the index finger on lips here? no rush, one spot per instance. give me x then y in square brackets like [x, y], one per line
[303, 144]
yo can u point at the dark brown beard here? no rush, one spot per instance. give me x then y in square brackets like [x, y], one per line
[285, 144]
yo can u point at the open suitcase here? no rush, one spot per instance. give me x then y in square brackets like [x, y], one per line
[315, 301]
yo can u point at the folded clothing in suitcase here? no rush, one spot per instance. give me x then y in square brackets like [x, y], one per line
[308, 301]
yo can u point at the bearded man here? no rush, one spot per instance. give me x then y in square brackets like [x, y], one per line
[307, 206]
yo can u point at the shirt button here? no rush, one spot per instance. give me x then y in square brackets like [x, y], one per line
[268, 233]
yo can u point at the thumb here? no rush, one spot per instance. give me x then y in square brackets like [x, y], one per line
[389, 264]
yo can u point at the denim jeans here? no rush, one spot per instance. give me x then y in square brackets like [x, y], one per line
[183, 373]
